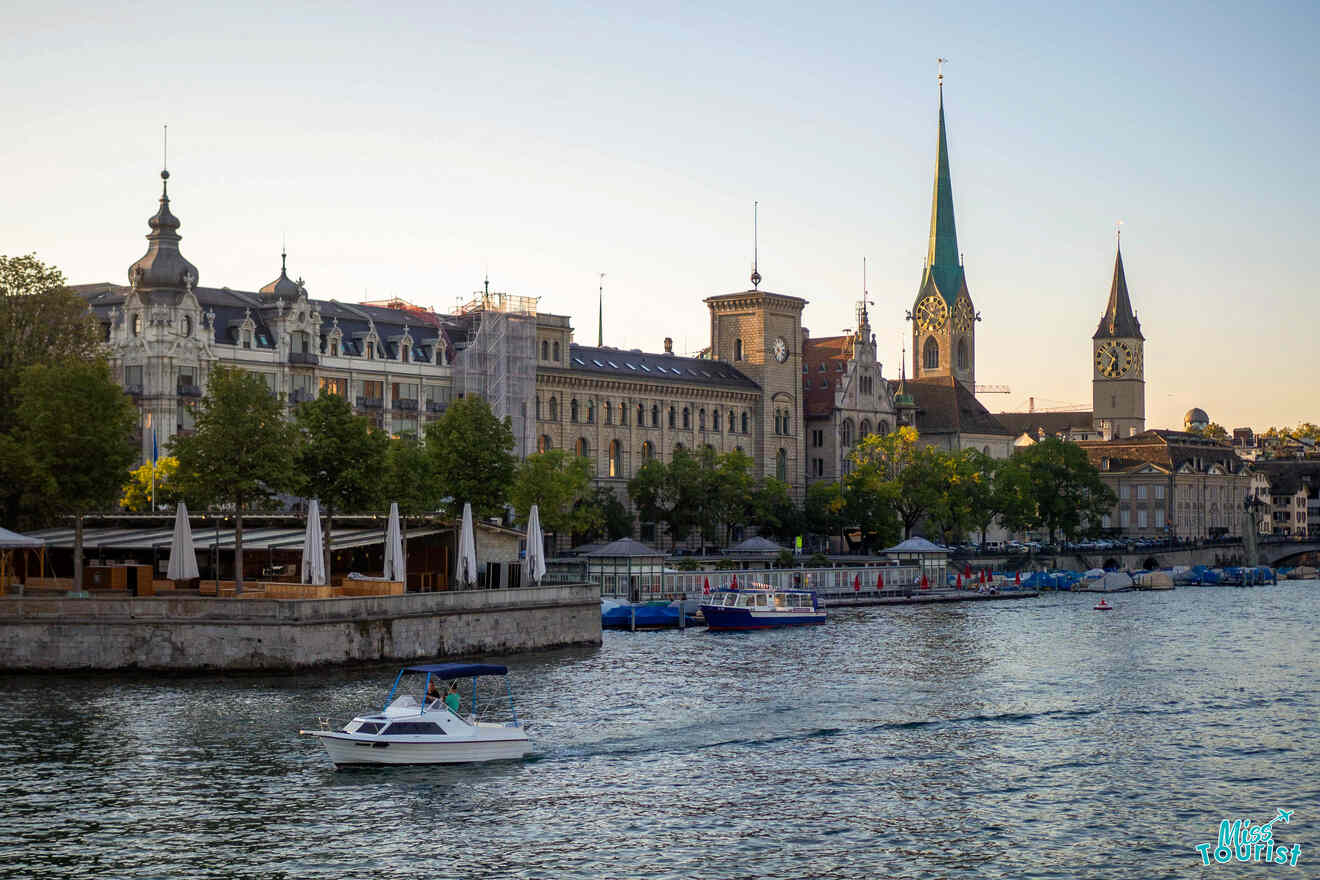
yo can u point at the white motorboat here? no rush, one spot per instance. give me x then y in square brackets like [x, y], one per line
[419, 728]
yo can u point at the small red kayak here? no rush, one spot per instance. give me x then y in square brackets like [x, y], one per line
[1104, 606]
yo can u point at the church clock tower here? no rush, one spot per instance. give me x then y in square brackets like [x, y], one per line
[1118, 386]
[943, 317]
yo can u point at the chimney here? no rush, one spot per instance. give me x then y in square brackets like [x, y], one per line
[1031, 404]
[669, 345]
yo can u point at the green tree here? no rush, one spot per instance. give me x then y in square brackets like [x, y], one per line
[80, 429]
[1058, 484]
[241, 452]
[826, 509]
[472, 455]
[615, 520]
[1212, 431]
[774, 512]
[983, 505]
[870, 504]
[41, 322]
[137, 492]
[652, 493]
[559, 484]
[732, 492]
[339, 460]
[963, 494]
[409, 481]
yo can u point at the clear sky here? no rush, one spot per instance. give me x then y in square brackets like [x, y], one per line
[406, 150]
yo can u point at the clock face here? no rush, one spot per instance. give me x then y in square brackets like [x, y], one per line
[963, 316]
[1114, 359]
[931, 313]
[780, 349]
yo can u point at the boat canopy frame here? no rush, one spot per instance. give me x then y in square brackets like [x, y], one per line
[454, 671]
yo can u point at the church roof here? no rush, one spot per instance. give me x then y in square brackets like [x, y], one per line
[945, 406]
[1118, 321]
[943, 266]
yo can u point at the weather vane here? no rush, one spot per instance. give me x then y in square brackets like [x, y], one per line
[941, 62]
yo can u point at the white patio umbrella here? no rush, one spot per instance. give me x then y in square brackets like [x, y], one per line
[533, 567]
[465, 568]
[313, 554]
[183, 558]
[395, 566]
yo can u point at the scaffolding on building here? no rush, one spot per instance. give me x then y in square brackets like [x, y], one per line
[498, 363]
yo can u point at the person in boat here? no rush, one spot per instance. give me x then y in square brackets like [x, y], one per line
[452, 698]
[433, 692]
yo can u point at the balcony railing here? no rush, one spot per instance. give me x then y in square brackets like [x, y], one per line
[301, 395]
[133, 390]
[371, 403]
[406, 403]
[436, 406]
[303, 357]
[189, 391]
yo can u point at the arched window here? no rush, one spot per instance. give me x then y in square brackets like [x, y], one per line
[580, 449]
[930, 354]
[543, 444]
[744, 422]
[737, 349]
[701, 419]
[573, 410]
[641, 414]
[137, 323]
[591, 411]
[986, 450]
[779, 428]
[733, 424]
[614, 458]
[554, 409]
[687, 419]
[545, 350]
[883, 427]
[781, 465]
[609, 413]
[556, 350]
[655, 415]
[846, 432]
[648, 451]
[187, 325]
[623, 413]
[962, 354]
[865, 429]
[672, 414]
[538, 407]
[715, 420]
[788, 422]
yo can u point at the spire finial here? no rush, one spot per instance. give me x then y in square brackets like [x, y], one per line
[284, 253]
[1118, 233]
[940, 77]
[600, 313]
[756, 275]
[165, 163]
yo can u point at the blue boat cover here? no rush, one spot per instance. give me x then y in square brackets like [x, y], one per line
[458, 670]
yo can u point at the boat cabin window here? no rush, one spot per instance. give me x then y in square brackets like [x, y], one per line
[730, 600]
[365, 727]
[761, 599]
[412, 727]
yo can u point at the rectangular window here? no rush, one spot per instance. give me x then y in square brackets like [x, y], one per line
[1106, 521]
[1142, 521]
[1159, 491]
[1141, 491]
[133, 376]
[334, 386]
[1125, 491]
[1159, 517]
[1124, 518]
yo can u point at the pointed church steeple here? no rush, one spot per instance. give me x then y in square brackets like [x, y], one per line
[942, 263]
[1118, 321]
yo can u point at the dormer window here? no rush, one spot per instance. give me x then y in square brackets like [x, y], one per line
[137, 323]
[247, 338]
[371, 350]
[334, 348]
[187, 325]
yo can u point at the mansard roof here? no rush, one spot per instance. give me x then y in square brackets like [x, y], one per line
[642, 366]
[1053, 423]
[1169, 450]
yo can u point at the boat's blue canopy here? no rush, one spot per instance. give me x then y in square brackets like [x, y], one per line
[458, 670]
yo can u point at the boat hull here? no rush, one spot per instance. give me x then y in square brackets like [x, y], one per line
[347, 749]
[719, 617]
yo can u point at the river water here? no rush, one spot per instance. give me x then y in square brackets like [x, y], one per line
[1029, 738]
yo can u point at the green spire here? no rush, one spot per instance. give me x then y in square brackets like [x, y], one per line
[942, 258]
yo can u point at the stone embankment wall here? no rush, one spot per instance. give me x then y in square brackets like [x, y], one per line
[196, 634]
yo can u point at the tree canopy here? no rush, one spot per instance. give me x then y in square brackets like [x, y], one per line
[472, 456]
[1052, 484]
[559, 484]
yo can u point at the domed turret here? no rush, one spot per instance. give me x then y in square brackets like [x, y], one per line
[283, 287]
[163, 267]
[1196, 419]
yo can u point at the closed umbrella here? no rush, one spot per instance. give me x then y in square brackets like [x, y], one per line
[313, 555]
[465, 569]
[183, 558]
[395, 565]
[534, 561]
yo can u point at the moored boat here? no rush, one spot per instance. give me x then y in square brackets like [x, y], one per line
[422, 729]
[761, 608]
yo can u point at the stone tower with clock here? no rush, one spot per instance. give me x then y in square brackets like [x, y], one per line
[760, 333]
[1118, 386]
[943, 317]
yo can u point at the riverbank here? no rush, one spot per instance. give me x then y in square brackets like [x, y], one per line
[194, 634]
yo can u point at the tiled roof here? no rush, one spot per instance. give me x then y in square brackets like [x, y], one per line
[818, 386]
[1053, 423]
[945, 406]
[637, 365]
[1170, 450]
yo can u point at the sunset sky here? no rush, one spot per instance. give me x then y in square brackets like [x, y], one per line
[408, 150]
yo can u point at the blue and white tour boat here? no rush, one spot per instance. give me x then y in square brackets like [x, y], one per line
[761, 608]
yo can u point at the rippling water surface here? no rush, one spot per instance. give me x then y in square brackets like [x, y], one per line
[1032, 738]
